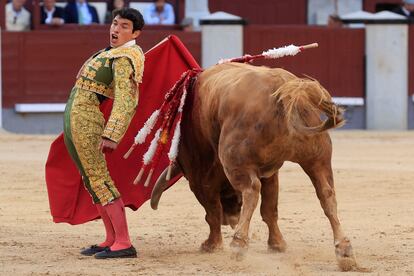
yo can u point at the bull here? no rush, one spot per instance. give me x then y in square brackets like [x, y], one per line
[239, 127]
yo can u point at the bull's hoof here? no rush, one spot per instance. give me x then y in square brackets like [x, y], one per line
[239, 241]
[238, 253]
[345, 255]
[277, 246]
[239, 247]
[347, 263]
[209, 246]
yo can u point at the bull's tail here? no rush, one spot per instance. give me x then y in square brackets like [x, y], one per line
[305, 103]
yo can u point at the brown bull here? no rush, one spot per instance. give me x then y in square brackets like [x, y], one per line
[242, 124]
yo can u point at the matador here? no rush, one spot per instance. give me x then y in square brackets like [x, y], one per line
[114, 72]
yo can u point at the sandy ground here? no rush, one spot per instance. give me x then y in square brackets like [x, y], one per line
[374, 175]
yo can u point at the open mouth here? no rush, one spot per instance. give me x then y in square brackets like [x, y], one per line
[114, 37]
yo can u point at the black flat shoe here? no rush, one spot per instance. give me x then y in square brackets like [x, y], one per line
[123, 253]
[92, 250]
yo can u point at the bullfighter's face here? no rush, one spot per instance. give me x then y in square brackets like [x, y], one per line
[121, 31]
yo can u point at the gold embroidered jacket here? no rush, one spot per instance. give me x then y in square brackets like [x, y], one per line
[115, 74]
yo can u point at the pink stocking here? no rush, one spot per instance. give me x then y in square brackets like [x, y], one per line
[116, 213]
[110, 232]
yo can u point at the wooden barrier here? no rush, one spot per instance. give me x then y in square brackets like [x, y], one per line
[264, 11]
[411, 60]
[40, 66]
[338, 62]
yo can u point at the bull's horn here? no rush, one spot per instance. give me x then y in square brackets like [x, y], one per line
[162, 184]
[168, 177]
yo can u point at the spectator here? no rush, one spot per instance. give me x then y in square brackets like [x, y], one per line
[50, 14]
[187, 24]
[159, 13]
[80, 12]
[406, 9]
[334, 21]
[17, 17]
[113, 5]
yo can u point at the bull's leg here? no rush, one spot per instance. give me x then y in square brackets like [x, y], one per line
[231, 201]
[249, 186]
[322, 179]
[209, 198]
[268, 210]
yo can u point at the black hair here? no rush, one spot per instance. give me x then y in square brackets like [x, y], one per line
[132, 15]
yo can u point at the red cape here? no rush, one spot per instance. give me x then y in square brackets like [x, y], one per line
[68, 199]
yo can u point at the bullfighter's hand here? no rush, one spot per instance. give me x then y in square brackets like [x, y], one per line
[107, 145]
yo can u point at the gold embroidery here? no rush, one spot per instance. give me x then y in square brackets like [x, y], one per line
[126, 100]
[88, 73]
[95, 87]
[95, 64]
[134, 54]
[86, 62]
[87, 124]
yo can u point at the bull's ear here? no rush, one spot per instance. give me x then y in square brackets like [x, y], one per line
[162, 184]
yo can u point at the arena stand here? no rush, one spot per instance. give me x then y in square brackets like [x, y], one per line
[39, 66]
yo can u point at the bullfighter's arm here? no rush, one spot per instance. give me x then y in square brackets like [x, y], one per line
[125, 100]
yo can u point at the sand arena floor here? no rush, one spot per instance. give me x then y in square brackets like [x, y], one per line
[374, 175]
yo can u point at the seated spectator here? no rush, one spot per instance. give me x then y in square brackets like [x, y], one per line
[187, 24]
[159, 13]
[80, 12]
[406, 9]
[334, 21]
[17, 17]
[50, 14]
[113, 5]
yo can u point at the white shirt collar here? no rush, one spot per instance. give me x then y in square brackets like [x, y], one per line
[128, 44]
[84, 4]
[16, 13]
[47, 11]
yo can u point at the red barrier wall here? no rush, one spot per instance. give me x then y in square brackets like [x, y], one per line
[411, 60]
[338, 62]
[264, 11]
[41, 66]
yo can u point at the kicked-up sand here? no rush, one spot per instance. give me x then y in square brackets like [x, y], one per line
[374, 178]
